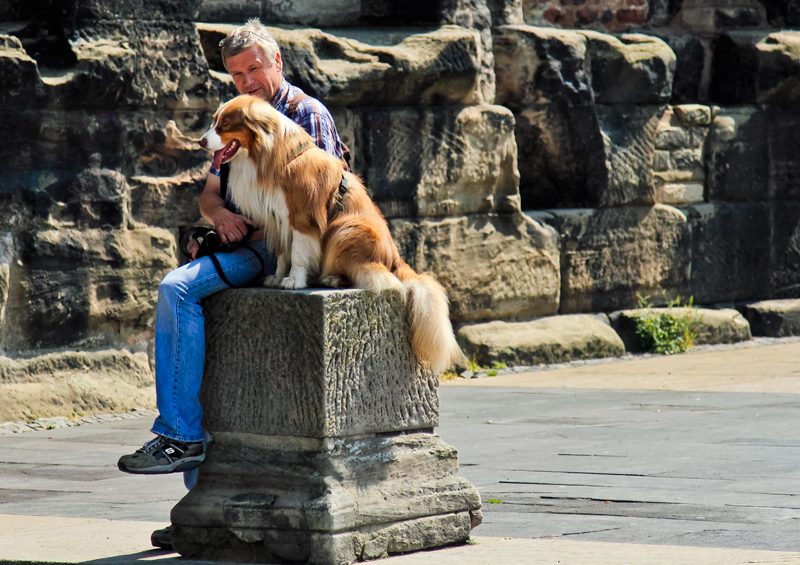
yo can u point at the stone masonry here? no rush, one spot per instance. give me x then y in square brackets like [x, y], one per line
[324, 451]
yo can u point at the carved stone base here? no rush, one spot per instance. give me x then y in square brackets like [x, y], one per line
[324, 451]
[275, 499]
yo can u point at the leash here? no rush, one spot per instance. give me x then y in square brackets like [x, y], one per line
[221, 273]
[299, 150]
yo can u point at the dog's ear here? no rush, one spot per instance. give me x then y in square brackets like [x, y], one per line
[260, 118]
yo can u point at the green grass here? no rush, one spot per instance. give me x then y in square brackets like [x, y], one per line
[667, 333]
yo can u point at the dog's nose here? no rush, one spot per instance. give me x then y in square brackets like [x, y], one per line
[203, 143]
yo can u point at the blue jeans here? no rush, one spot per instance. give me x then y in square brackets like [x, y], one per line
[180, 334]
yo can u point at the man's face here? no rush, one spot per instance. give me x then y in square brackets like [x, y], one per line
[253, 74]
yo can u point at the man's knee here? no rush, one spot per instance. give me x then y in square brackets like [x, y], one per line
[173, 285]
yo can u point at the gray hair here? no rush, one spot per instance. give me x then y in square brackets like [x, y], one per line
[251, 34]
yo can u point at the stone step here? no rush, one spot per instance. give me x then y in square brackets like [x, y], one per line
[773, 318]
[712, 326]
[555, 339]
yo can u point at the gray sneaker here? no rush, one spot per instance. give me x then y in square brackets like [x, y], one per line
[163, 455]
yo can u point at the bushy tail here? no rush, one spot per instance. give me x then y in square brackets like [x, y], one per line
[428, 309]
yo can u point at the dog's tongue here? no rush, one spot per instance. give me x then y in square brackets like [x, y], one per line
[225, 153]
[218, 158]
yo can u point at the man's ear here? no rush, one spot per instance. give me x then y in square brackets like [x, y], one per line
[279, 62]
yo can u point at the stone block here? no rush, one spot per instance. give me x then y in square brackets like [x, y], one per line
[692, 115]
[492, 266]
[629, 134]
[298, 12]
[691, 53]
[574, 152]
[587, 155]
[47, 151]
[773, 318]
[538, 65]
[735, 68]
[778, 68]
[64, 383]
[737, 162]
[374, 68]
[270, 499]
[712, 326]
[729, 261]
[170, 202]
[323, 445]
[506, 12]
[750, 154]
[82, 11]
[22, 85]
[344, 358]
[737, 17]
[670, 138]
[468, 14]
[438, 161]
[631, 69]
[561, 156]
[783, 14]
[676, 194]
[102, 70]
[745, 251]
[609, 256]
[662, 160]
[554, 339]
[73, 287]
[98, 198]
[784, 246]
[348, 15]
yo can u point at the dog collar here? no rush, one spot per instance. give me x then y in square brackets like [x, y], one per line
[299, 150]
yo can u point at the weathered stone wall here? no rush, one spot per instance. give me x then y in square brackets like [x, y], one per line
[651, 144]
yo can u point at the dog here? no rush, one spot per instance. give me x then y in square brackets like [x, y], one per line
[319, 219]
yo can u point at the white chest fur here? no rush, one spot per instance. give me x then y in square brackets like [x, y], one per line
[265, 205]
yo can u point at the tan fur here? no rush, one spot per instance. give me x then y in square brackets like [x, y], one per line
[356, 246]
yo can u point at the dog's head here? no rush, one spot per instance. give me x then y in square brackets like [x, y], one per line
[245, 126]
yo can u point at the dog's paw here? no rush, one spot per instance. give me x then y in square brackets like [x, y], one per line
[334, 281]
[290, 282]
[272, 281]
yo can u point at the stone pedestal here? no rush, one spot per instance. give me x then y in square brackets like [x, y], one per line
[323, 450]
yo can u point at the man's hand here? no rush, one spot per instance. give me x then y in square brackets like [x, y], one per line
[230, 227]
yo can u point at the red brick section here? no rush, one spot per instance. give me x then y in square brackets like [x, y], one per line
[612, 16]
[552, 14]
[632, 16]
[587, 15]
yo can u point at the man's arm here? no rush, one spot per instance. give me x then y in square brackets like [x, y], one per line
[230, 227]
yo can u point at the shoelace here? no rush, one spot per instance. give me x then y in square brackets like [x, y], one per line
[152, 445]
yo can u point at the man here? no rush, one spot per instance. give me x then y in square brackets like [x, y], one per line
[253, 59]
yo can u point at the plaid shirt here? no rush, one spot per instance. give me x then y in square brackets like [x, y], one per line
[311, 115]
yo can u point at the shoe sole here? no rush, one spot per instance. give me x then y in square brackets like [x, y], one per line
[176, 467]
[159, 541]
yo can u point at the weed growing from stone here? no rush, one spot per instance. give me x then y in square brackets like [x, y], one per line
[667, 333]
